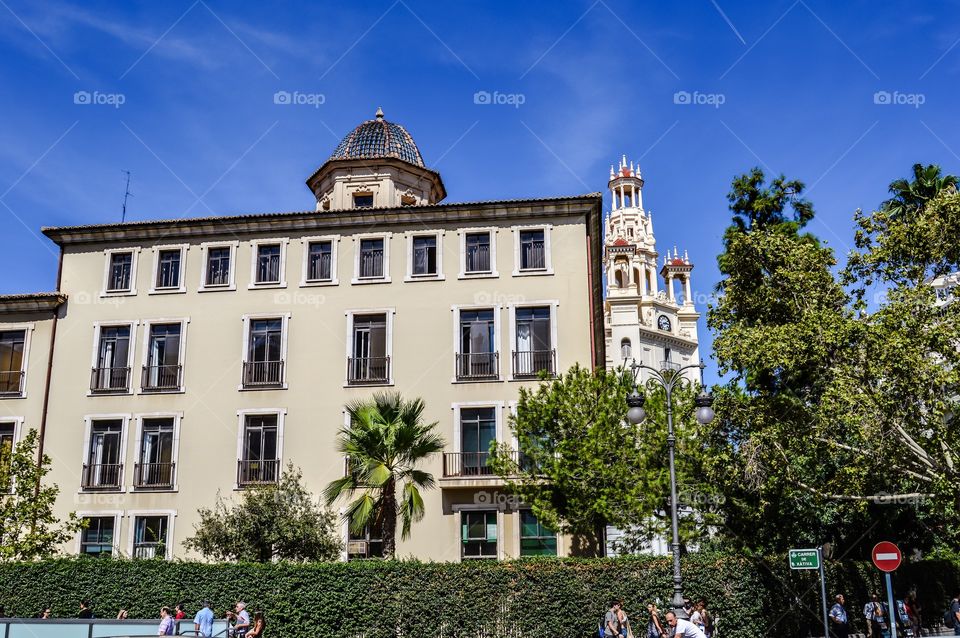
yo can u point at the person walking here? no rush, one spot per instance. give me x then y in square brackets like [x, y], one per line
[654, 628]
[839, 623]
[954, 614]
[179, 614]
[707, 618]
[122, 614]
[86, 611]
[611, 621]
[259, 624]
[624, 621]
[166, 622]
[683, 628]
[876, 617]
[203, 621]
[241, 620]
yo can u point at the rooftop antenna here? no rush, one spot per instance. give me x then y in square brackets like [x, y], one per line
[126, 194]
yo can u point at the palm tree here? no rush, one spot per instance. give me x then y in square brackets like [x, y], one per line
[910, 197]
[384, 442]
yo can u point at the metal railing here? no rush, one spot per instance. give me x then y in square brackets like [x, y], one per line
[478, 365]
[149, 549]
[160, 378]
[468, 464]
[530, 363]
[153, 475]
[258, 374]
[11, 383]
[110, 379]
[362, 370]
[101, 476]
[251, 472]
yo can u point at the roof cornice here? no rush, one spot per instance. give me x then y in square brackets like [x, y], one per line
[31, 302]
[342, 220]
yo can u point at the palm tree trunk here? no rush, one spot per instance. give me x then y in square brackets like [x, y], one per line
[389, 504]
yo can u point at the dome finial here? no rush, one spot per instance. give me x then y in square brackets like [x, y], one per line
[379, 113]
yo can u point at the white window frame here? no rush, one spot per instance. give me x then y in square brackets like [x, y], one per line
[124, 418]
[145, 356]
[177, 417]
[334, 254]
[254, 249]
[458, 407]
[281, 414]
[130, 352]
[438, 236]
[204, 256]
[517, 530]
[554, 341]
[28, 329]
[459, 508]
[350, 314]
[133, 515]
[182, 287]
[284, 336]
[385, 279]
[497, 336]
[108, 257]
[116, 515]
[492, 273]
[547, 251]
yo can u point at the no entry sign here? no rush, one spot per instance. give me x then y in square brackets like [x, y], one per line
[886, 556]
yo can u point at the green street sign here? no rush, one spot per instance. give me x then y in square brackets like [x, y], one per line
[804, 559]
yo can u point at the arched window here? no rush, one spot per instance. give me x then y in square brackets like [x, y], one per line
[618, 277]
[626, 351]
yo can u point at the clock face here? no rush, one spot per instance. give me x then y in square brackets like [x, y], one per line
[664, 323]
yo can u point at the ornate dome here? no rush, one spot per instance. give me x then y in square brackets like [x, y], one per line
[378, 138]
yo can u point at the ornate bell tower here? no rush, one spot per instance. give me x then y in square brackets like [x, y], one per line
[643, 320]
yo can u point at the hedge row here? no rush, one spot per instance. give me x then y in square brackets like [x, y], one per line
[535, 597]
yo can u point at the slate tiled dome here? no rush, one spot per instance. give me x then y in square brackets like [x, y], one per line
[376, 139]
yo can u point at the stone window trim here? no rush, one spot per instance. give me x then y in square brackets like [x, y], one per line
[492, 273]
[385, 278]
[497, 336]
[116, 515]
[389, 313]
[281, 415]
[438, 235]
[554, 305]
[88, 422]
[108, 254]
[457, 407]
[177, 417]
[254, 250]
[155, 272]
[131, 349]
[204, 256]
[305, 265]
[245, 344]
[457, 508]
[145, 354]
[27, 329]
[133, 515]
[547, 251]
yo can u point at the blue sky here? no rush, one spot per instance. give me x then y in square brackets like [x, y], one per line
[845, 96]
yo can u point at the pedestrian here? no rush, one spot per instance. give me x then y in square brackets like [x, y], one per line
[913, 613]
[695, 616]
[203, 622]
[683, 628]
[654, 628]
[166, 622]
[259, 624]
[839, 626]
[86, 611]
[46, 614]
[611, 622]
[241, 620]
[706, 617]
[122, 614]
[179, 614]
[624, 621]
[876, 617]
[954, 614]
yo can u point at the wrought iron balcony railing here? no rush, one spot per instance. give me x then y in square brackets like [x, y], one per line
[478, 366]
[528, 364]
[161, 378]
[368, 370]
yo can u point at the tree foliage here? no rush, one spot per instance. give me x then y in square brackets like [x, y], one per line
[835, 422]
[28, 528]
[282, 522]
[385, 442]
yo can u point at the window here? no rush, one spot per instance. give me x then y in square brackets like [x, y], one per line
[477, 357]
[119, 272]
[168, 269]
[217, 272]
[104, 467]
[370, 360]
[626, 350]
[259, 461]
[163, 369]
[532, 250]
[478, 430]
[667, 353]
[150, 536]
[367, 544]
[477, 253]
[535, 538]
[111, 372]
[363, 200]
[155, 465]
[371, 259]
[319, 261]
[265, 347]
[268, 264]
[12, 362]
[534, 350]
[478, 534]
[7, 431]
[96, 539]
[425, 256]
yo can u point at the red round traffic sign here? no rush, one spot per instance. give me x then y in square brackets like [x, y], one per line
[886, 556]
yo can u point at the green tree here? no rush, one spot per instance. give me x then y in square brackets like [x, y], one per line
[271, 522]
[384, 443]
[582, 466]
[910, 196]
[28, 528]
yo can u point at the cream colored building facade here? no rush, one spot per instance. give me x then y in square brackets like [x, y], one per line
[199, 356]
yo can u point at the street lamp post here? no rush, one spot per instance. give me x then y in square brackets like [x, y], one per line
[670, 376]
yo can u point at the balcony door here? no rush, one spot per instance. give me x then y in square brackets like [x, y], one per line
[113, 356]
[105, 454]
[264, 352]
[478, 429]
[478, 357]
[11, 361]
[156, 453]
[534, 347]
[163, 357]
[258, 463]
[369, 362]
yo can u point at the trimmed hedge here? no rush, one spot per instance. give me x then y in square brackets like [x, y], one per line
[553, 598]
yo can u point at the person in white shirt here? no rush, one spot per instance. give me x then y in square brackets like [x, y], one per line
[683, 628]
